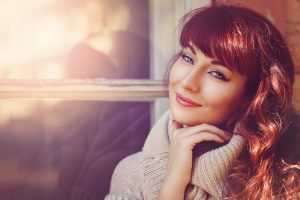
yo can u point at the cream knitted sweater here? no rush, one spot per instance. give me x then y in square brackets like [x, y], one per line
[140, 176]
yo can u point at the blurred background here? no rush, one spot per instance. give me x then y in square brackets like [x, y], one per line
[54, 149]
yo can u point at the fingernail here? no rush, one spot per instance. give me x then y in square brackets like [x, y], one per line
[229, 135]
[221, 140]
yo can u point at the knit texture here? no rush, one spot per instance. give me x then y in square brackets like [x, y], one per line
[141, 175]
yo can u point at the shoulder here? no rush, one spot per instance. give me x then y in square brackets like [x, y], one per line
[125, 177]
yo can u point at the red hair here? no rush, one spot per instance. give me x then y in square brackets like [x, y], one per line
[250, 45]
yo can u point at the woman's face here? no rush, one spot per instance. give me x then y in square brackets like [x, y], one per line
[203, 90]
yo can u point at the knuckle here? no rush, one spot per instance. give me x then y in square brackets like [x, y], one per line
[181, 140]
[205, 125]
[175, 132]
[177, 136]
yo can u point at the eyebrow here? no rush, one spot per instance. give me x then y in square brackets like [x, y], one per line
[191, 48]
[215, 62]
[218, 62]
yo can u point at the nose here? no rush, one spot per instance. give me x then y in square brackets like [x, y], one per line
[191, 82]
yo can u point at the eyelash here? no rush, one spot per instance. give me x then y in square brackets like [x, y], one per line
[215, 74]
[187, 58]
[218, 75]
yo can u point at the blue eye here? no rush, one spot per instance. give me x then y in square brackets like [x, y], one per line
[218, 75]
[187, 59]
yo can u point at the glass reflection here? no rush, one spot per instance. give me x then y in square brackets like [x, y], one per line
[54, 149]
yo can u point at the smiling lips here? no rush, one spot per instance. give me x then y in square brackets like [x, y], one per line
[185, 101]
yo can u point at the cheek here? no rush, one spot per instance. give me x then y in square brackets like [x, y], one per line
[177, 73]
[172, 76]
[224, 100]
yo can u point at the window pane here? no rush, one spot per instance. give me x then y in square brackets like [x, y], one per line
[74, 39]
[54, 149]
[66, 149]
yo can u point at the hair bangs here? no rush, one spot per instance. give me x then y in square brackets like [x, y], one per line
[219, 37]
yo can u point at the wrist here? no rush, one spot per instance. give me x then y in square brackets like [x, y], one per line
[172, 190]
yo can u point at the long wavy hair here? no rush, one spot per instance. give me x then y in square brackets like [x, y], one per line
[250, 45]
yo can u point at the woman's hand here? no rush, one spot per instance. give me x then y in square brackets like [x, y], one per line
[182, 143]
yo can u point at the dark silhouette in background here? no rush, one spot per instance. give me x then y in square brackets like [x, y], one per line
[92, 136]
[105, 132]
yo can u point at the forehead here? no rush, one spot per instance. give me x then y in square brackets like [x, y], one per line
[192, 48]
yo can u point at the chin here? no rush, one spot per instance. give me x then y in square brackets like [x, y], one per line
[190, 118]
[185, 118]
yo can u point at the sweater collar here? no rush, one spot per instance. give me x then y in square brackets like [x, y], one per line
[157, 141]
[209, 170]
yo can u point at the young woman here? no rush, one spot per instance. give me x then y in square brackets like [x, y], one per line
[227, 134]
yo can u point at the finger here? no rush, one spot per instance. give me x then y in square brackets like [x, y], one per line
[176, 125]
[236, 128]
[212, 129]
[204, 136]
